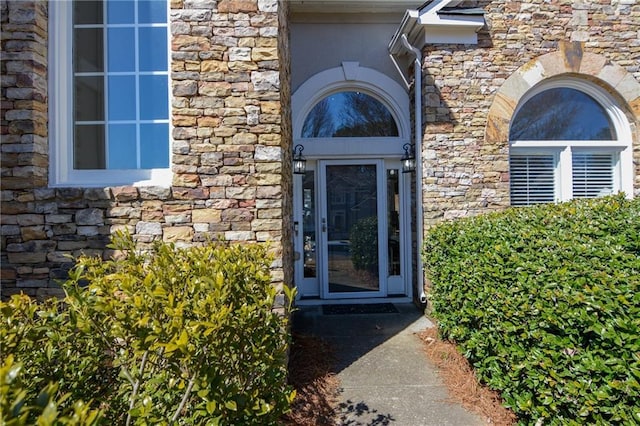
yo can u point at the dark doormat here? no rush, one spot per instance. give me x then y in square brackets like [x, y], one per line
[373, 308]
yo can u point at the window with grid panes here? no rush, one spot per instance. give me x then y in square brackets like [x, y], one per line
[112, 91]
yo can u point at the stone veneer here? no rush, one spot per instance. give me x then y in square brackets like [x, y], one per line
[231, 146]
[470, 92]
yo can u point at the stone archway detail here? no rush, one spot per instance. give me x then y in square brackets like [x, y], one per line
[571, 59]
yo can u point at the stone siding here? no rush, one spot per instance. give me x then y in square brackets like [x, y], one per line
[466, 169]
[230, 146]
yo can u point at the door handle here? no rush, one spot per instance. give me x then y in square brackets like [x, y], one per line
[324, 225]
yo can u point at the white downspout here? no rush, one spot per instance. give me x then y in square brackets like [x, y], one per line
[417, 89]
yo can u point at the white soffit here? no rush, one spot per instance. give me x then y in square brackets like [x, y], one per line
[444, 23]
[438, 22]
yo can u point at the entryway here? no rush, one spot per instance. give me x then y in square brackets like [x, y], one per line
[352, 230]
[352, 214]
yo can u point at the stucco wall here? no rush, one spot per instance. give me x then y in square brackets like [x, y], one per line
[466, 168]
[230, 143]
[320, 46]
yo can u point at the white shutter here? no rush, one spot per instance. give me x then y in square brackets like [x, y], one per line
[593, 174]
[532, 179]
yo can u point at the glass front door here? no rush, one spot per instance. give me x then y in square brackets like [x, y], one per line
[350, 229]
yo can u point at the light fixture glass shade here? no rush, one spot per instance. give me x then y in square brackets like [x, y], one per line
[299, 166]
[408, 159]
[299, 162]
[408, 165]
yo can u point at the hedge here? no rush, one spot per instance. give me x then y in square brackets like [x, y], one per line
[171, 336]
[544, 301]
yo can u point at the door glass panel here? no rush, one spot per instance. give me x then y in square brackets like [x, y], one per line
[352, 228]
[309, 224]
[393, 219]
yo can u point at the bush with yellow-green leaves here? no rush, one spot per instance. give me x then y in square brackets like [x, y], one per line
[169, 336]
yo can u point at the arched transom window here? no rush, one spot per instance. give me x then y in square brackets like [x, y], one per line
[349, 114]
[566, 138]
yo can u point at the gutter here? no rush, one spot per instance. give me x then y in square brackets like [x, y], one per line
[417, 89]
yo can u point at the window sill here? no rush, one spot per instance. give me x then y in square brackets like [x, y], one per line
[109, 178]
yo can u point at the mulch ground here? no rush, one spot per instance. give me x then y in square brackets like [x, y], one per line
[311, 374]
[461, 381]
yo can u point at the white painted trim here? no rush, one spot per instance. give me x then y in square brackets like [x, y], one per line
[307, 287]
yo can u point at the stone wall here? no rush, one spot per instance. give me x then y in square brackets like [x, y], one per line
[466, 171]
[230, 143]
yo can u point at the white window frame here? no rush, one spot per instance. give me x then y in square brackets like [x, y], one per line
[61, 171]
[621, 147]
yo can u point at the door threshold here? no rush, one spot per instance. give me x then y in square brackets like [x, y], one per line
[317, 302]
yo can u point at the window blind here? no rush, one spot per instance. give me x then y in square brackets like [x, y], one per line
[532, 179]
[592, 174]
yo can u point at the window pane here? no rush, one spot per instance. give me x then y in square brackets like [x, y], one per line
[122, 146]
[532, 179]
[561, 114]
[88, 98]
[118, 138]
[152, 11]
[88, 147]
[154, 100]
[120, 12]
[87, 12]
[122, 98]
[121, 54]
[592, 174]
[309, 224]
[393, 218]
[154, 145]
[349, 114]
[87, 50]
[153, 49]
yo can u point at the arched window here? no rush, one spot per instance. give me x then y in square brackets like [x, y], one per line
[565, 140]
[349, 114]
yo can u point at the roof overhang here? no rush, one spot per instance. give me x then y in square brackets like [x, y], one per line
[438, 22]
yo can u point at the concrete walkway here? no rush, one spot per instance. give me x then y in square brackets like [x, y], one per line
[386, 379]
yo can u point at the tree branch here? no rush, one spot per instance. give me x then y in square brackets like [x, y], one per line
[185, 397]
[136, 386]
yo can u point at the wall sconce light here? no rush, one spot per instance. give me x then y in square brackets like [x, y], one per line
[299, 162]
[409, 158]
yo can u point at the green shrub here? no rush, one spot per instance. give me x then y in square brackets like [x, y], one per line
[173, 336]
[545, 303]
[364, 244]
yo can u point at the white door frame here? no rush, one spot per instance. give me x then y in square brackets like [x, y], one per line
[323, 249]
[315, 288]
